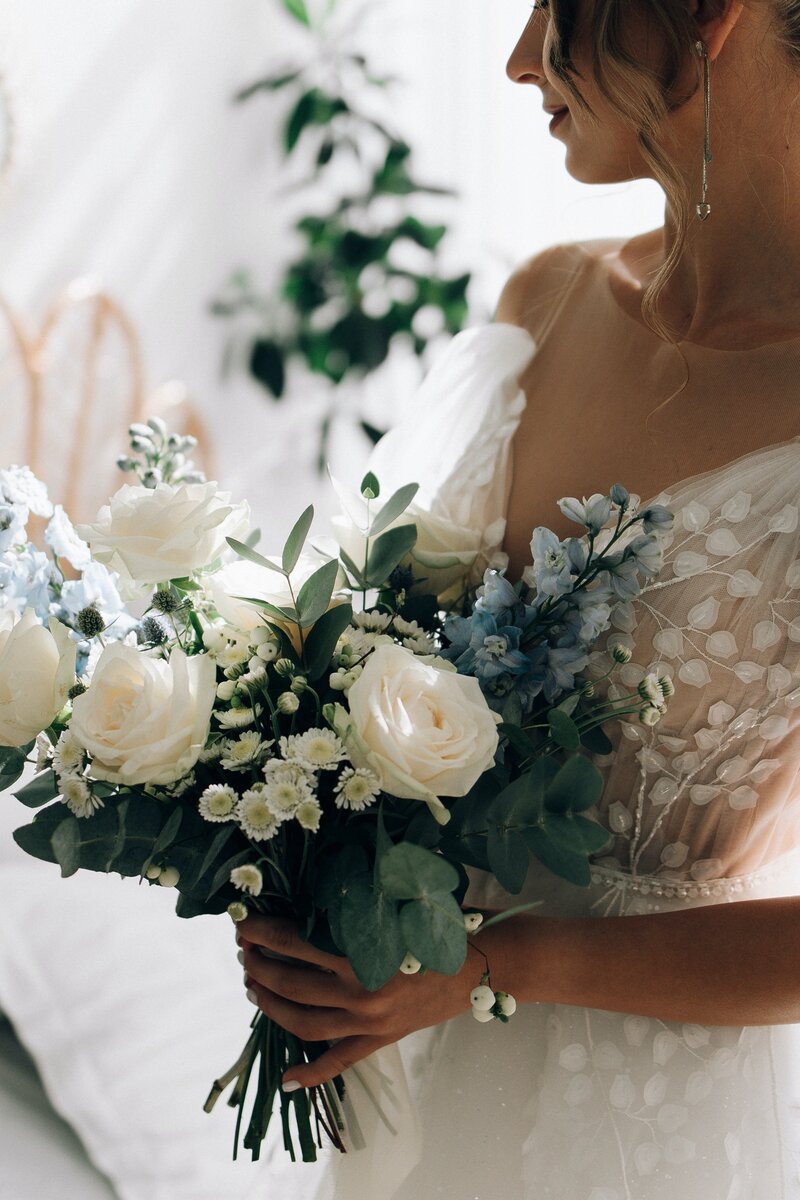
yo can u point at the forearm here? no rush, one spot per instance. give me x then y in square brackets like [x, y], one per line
[731, 964]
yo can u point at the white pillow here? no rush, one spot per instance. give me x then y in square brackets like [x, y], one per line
[129, 1013]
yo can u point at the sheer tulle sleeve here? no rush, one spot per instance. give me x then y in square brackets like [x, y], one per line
[713, 790]
[455, 437]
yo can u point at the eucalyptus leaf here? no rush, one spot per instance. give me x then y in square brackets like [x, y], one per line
[223, 874]
[394, 507]
[296, 539]
[12, 764]
[219, 843]
[568, 704]
[511, 912]
[169, 832]
[506, 845]
[279, 614]
[387, 551]
[321, 641]
[41, 789]
[577, 786]
[409, 872]
[355, 573]
[245, 551]
[297, 9]
[370, 484]
[563, 729]
[66, 843]
[433, 929]
[557, 858]
[371, 933]
[517, 738]
[315, 594]
[36, 838]
[596, 741]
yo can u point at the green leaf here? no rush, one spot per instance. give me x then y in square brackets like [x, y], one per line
[596, 741]
[36, 838]
[387, 551]
[245, 551]
[297, 9]
[370, 484]
[296, 539]
[433, 929]
[352, 570]
[517, 738]
[39, 791]
[190, 906]
[322, 639]
[219, 843]
[568, 704]
[383, 844]
[558, 858]
[169, 832]
[315, 594]
[563, 729]
[512, 709]
[577, 786]
[280, 614]
[394, 507]
[370, 929]
[224, 872]
[593, 835]
[268, 366]
[66, 843]
[12, 764]
[408, 872]
[139, 821]
[511, 912]
[301, 116]
[506, 845]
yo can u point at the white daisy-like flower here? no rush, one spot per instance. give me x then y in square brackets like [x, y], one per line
[183, 785]
[218, 802]
[650, 690]
[248, 879]
[318, 749]
[69, 755]
[355, 644]
[407, 628]
[213, 750]
[77, 796]
[243, 752]
[255, 815]
[309, 815]
[287, 703]
[235, 654]
[237, 911]
[356, 789]
[420, 643]
[44, 751]
[236, 718]
[373, 621]
[287, 787]
[226, 689]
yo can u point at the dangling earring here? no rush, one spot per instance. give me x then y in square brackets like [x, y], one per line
[703, 209]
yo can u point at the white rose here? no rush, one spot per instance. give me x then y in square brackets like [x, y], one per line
[150, 535]
[145, 720]
[37, 669]
[243, 578]
[443, 555]
[425, 732]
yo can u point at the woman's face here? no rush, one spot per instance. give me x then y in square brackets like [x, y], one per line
[604, 150]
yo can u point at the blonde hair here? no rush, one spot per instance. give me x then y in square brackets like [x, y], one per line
[643, 97]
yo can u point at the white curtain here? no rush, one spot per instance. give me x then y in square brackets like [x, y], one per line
[132, 165]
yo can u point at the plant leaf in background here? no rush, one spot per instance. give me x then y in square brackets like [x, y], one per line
[344, 299]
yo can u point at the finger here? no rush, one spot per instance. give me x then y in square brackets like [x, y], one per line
[344, 1054]
[302, 984]
[310, 1024]
[281, 935]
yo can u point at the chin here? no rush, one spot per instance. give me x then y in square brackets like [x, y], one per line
[598, 172]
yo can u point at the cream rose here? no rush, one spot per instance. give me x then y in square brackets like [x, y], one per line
[424, 730]
[443, 556]
[143, 719]
[37, 669]
[150, 535]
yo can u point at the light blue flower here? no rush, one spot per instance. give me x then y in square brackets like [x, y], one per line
[552, 570]
[563, 664]
[593, 513]
[96, 586]
[60, 535]
[20, 487]
[657, 517]
[648, 554]
[12, 526]
[26, 580]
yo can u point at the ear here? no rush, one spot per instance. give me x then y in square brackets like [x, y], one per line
[716, 29]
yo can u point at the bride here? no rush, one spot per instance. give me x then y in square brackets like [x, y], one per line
[654, 1054]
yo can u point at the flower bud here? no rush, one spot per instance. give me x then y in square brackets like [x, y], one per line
[482, 998]
[89, 621]
[619, 495]
[299, 685]
[667, 686]
[650, 690]
[473, 921]
[226, 689]
[287, 703]
[237, 911]
[125, 463]
[650, 716]
[588, 690]
[410, 965]
[169, 876]
[151, 630]
[158, 426]
[165, 602]
[285, 667]
[77, 689]
[621, 653]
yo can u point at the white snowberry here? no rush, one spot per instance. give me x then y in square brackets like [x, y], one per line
[482, 1014]
[473, 921]
[506, 1003]
[410, 965]
[482, 998]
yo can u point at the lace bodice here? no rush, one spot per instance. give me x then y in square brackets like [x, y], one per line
[713, 791]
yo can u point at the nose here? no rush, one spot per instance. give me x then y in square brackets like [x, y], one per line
[525, 63]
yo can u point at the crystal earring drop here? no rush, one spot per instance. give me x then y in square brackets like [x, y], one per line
[703, 209]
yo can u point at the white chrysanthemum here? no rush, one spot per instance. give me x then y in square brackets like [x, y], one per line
[243, 752]
[319, 749]
[237, 911]
[248, 879]
[233, 655]
[308, 815]
[78, 798]
[356, 789]
[286, 789]
[213, 750]
[236, 718]
[182, 785]
[355, 644]
[218, 802]
[69, 755]
[650, 690]
[255, 815]
[374, 621]
[44, 751]
[420, 643]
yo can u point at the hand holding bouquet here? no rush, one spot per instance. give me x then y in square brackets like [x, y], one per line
[306, 736]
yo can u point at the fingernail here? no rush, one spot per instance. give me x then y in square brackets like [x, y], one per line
[240, 957]
[253, 998]
[291, 1085]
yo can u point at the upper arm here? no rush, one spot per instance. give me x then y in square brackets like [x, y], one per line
[531, 292]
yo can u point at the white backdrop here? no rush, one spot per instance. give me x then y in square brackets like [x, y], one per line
[132, 164]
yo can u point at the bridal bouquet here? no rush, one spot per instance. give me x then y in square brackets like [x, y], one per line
[335, 737]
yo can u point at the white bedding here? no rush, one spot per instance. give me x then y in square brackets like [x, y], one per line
[40, 1156]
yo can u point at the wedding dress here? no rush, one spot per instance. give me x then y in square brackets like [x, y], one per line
[569, 1103]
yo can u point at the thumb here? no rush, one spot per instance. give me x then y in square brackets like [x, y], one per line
[345, 1053]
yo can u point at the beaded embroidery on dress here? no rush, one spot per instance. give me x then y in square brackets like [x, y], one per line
[567, 1103]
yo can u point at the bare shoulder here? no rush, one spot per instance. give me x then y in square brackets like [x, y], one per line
[535, 286]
